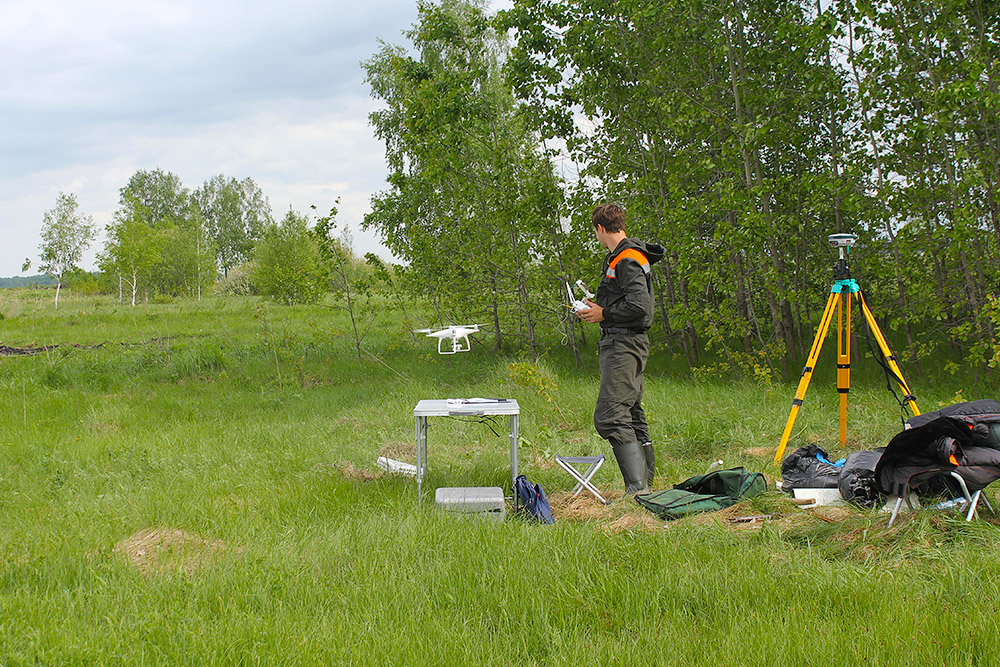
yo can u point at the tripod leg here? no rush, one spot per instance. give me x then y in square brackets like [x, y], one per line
[844, 362]
[807, 372]
[909, 400]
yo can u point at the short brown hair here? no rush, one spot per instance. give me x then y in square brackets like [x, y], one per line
[609, 216]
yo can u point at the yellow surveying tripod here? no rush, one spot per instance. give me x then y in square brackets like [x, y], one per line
[844, 287]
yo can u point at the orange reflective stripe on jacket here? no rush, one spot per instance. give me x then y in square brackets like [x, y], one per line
[629, 253]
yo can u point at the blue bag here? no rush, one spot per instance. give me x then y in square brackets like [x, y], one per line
[531, 498]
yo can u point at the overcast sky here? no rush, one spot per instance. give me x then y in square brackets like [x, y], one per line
[91, 92]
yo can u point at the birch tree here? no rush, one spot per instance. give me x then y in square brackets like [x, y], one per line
[66, 234]
[469, 192]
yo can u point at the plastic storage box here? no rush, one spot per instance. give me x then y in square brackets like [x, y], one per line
[819, 496]
[483, 500]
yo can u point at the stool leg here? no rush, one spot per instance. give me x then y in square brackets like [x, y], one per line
[895, 510]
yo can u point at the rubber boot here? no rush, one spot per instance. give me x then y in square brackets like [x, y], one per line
[632, 463]
[647, 450]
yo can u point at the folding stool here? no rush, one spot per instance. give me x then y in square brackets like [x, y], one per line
[594, 463]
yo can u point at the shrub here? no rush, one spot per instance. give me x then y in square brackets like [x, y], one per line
[287, 266]
[236, 283]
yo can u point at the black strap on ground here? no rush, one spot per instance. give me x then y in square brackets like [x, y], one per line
[890, 374]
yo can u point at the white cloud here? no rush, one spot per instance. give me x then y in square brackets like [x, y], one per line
[92, 92]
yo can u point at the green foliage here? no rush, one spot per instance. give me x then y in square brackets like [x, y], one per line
[741, 134]
[83, 282]
[287, 266]
[237, 282]
[530, 375]
[26, 281]
[157, 242]
[236, 214]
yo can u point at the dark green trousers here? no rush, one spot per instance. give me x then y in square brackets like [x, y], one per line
[618, 415]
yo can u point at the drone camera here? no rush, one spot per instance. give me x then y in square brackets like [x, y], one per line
[842, 240]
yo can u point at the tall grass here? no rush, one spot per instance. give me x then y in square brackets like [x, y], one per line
[256, 442]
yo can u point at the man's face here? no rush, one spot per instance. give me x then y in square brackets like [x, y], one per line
[602, 235]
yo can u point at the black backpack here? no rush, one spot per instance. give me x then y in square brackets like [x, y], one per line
[531, 499]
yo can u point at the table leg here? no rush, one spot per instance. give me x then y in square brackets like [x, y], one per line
[421, 423]
[513, 450]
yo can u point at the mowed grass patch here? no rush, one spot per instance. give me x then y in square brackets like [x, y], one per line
[269, 536]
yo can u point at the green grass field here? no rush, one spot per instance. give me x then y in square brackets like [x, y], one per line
[195, 483]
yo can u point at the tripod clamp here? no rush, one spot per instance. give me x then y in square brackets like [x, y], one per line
[847, 285]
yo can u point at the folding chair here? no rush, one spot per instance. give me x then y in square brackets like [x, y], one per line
[971, 500]
[956, 455]
[593, 464]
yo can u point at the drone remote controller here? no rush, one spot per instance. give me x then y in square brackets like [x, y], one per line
[576, 305]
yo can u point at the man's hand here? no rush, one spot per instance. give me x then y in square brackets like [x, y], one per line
[594, 314]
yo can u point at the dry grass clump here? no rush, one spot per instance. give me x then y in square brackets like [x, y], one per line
[399, 451]
[759, 452]
[159, 550]
[543, 462]
[623, 514]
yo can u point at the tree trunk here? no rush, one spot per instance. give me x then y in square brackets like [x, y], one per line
[495, 309]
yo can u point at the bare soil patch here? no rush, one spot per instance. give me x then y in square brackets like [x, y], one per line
[621, 515]
[159, 550]
[625, 514]
[6, 351]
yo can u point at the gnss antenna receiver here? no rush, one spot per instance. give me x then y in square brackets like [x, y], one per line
[844, 288]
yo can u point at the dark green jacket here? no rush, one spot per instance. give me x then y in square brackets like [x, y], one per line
[626, 288]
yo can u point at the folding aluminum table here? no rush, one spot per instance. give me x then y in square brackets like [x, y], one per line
[464, 407]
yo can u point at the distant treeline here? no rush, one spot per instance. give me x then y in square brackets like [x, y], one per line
[738, 134]
[28, 281]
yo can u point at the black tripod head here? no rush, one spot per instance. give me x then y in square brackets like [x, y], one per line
[841, 271]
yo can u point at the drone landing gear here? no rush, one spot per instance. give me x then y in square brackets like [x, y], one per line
[453, 345]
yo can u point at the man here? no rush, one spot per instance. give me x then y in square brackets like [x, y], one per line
[623, 306]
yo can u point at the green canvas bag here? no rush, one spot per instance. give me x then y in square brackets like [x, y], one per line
[704, 493]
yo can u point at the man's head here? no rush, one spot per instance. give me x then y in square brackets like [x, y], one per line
[609, 225]
[609, 216]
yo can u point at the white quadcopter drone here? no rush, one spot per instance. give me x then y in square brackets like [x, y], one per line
[456, 335]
